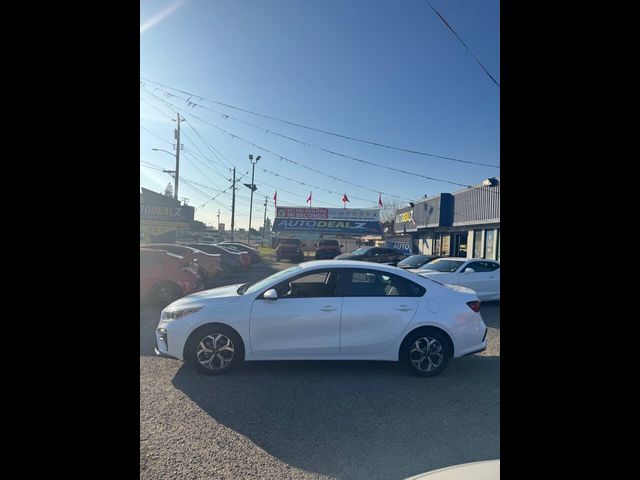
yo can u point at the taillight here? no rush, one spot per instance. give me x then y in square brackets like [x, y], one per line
[475, 305]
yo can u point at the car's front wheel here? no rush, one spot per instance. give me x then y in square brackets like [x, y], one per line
[215, 350]
[426, 352]
[165, 292]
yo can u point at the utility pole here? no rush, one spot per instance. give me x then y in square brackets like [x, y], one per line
[252, 187]
[264, 222]
[177, 134]
[218, 227]
[233, 202]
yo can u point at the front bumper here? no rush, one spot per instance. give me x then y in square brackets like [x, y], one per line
[164, 355]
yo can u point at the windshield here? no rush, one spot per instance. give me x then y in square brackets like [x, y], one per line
[251, 288]
[414, 260]
[361, 251]
[443, 265]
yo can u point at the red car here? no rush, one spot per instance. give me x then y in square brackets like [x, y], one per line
[165, 277]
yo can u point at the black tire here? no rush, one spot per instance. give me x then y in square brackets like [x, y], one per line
[163, 293]
[226, 338]
[426, 365]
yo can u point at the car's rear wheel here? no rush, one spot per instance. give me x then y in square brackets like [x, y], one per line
[426, 352]
[165, 292]
[214, 350]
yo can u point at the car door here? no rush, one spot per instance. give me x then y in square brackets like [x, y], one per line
[478, 280]
[491, 279]
[376, 308]
[304, 321]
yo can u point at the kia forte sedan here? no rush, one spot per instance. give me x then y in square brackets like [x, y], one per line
[325, 310]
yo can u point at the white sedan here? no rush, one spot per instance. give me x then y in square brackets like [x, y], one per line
[478, 274]
[325, 310]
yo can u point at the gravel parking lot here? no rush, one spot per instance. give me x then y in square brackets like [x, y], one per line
[343, 420]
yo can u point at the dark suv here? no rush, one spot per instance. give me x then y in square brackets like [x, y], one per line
[327, 249]
[290, 249]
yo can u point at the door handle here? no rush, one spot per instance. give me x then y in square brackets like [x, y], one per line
[404, 308]
[328, 308]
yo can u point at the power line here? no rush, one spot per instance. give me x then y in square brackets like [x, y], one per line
[286, 159]
[202, 154]
[306, 144]
[462, 42]
[282, 157]
[201, 172]
[312, 185]
[347, 137]
[156, 135]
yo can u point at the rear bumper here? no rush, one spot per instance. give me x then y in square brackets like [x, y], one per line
[290, 255]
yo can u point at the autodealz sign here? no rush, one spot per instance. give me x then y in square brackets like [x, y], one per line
[350, 221]
[180, 214]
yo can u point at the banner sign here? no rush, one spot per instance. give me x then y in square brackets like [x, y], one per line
[346, 221]
[182, 214]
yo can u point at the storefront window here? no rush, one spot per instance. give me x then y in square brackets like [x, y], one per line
[477, 244]
[446, 245]
[460, 244]
[436, 244]
[489, 244]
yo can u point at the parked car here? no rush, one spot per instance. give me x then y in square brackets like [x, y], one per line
[478, 274]
[230, 261]
[246, 259]
[325, 310]
[208, 263]
[327, 249]
[415, 261]
[290, 249]
[165, 277]
[374, 254]
[254, 255]
[483, 470]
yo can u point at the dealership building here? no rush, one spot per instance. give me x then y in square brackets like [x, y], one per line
[465, 223]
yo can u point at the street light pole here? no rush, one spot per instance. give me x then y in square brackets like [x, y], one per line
[253, 188]
[264, 222]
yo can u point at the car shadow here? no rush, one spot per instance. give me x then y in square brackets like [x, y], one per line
[358, 419]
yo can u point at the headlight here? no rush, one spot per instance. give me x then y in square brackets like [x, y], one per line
[174, 314]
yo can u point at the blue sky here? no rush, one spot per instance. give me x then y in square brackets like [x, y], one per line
[382, 70]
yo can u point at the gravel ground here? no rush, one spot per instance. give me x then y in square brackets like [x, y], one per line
[343, 420]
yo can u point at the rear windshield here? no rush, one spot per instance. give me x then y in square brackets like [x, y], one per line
[441, 265]
[329, 243]
[416, 260]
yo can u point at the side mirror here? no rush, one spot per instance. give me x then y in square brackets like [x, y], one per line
[469, 270]
[270, 294]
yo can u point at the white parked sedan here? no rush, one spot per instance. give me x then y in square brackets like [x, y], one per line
[325, 310]
[478, 274]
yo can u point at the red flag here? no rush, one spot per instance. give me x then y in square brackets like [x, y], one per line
[380, 200]
[309, 199]
[345, 198]
[275, 199]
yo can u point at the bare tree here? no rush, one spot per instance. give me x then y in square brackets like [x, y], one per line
[168, 191]
[388, 211]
